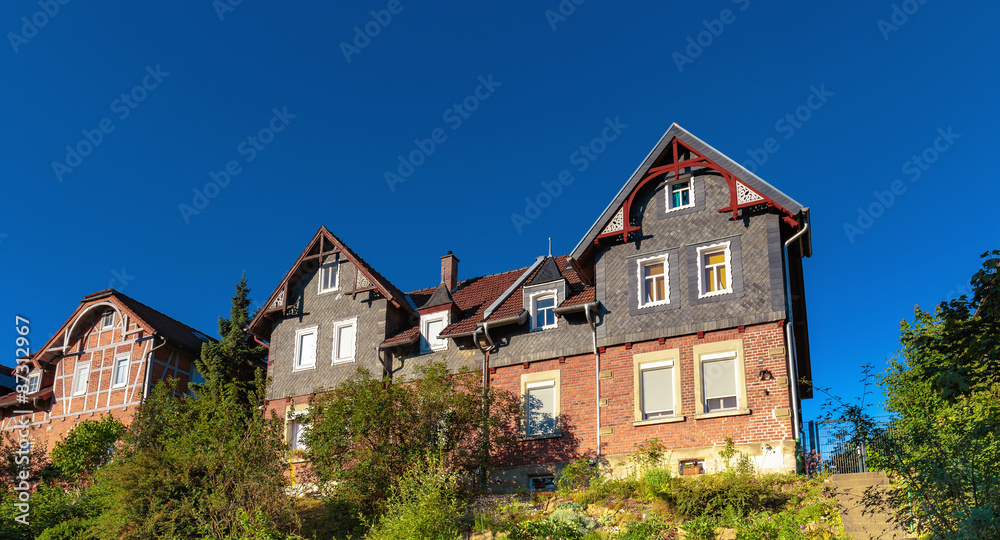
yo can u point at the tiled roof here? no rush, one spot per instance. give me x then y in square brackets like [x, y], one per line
[164, 325]
[473, 296]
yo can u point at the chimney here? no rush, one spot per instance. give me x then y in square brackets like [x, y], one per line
[449, 271]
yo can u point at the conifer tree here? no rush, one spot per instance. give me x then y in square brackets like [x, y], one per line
[236, 357]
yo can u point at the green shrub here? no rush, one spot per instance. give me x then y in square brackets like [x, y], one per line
[711, 495]
[603, 488]
[425, 506]
[701, 528]
[87, 447]
[71, 529]
[545, 530]
[582, 523]
[656, 481]
[576, 475]
[647, 529]
[649, 454]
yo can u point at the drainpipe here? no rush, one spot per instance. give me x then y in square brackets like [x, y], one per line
[149, 365]
[597, 376]
[790, 337]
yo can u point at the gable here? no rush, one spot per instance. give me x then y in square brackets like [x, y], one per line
[323, 246]
[678, 151]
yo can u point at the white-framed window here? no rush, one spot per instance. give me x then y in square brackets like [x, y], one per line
[680, 194]
[81, 379]
[540, 397]
[120, 376]
[34, 382]
[714, 270]
[329, 277]
[657, 389]
[305, 349]
[430, 331]
[108, 320]
[296, 429]
[720, 381]
[344, 341]
[543, 305]
[654, 288]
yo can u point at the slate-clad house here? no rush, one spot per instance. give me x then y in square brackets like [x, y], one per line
[680, 315]
[102, 361]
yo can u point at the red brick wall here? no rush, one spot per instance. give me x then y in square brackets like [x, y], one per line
[578, 402]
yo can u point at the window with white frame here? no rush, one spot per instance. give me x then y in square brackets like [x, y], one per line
[344, 341]
[680, 194]
[720, 381]
[120, 376]
[108, 320]
[305, 349]
[653, 287]
[656, 381]
[81, 379]
[541, 406]
[34, 382]
[296, 431]
[328, 277]
[431, 327]
[714, 274]
[543, 307]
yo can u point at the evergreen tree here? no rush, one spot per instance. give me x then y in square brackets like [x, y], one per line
[236, 357]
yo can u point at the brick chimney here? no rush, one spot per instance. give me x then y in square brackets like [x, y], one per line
[449, 271]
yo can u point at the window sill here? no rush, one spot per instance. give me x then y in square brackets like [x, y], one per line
[714, 294]
[328, 291]
[555, 435]
[720, 414]
[654, 421]
[676, 208]
[655, 304]
[344, 361]
[307, 368]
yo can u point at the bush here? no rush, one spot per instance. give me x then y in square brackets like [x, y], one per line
[575, 476]
[72, 529]
[87, 447]
[648, 529]
[711, 495]
[702, 528]
[425, 505]
[656, 481]
[545, 530]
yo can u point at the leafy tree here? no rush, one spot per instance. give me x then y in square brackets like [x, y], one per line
[365, 433]
[189, 466]
[237, 356]
[946, 391]
[88, 446]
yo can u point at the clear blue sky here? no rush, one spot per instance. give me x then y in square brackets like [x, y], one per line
[210, 84]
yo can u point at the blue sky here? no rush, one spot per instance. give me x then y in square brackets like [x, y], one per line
[309, 117]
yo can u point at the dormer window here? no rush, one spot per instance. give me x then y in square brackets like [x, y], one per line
[680, 194]
[328, 277]
[543, 310]
[34, 382]
[431, 327]
[108, 320]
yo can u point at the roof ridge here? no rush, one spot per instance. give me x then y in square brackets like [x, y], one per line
[158, 312]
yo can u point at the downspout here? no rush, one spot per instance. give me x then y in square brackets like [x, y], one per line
[597, 376]
[790, 337]
[149, 365]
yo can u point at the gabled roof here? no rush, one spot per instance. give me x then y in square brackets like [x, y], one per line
[325, 243]
[164, 325]
[742, 175]
[474, 296]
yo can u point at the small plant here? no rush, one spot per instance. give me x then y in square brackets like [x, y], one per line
[743, 465]
[702, 528]
[545, 530]
[575, 476]
[649, 454]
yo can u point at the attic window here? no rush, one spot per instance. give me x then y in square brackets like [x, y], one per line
[680, 194]
[328, 277]
[108, 319]
[542, 310]
[431, 327]
[34, 381]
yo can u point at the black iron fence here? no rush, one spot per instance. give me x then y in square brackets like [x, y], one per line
[837, 447]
